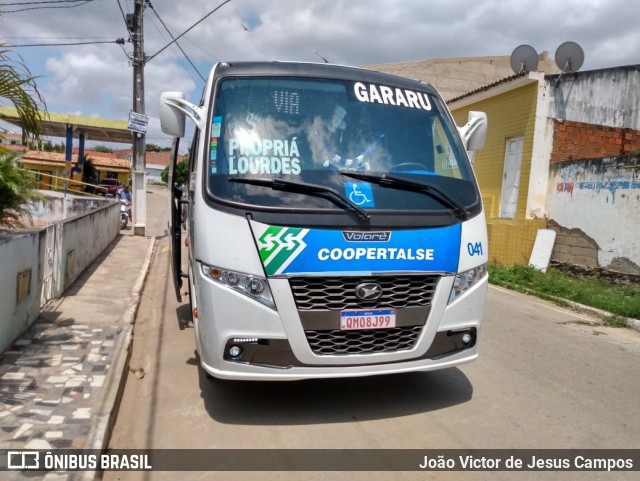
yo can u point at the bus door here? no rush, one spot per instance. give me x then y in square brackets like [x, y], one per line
[175, 221]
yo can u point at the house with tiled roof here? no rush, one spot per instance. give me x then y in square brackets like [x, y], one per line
[49, 168]
[155, 162]
[11, 141]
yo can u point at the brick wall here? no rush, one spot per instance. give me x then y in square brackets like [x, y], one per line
[578, 140]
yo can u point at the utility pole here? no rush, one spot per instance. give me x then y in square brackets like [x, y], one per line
[139, 191]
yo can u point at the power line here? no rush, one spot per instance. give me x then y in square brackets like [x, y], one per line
[175, 40]
[56, 38]
[125, 50]
[84, 2]
[124, 17]
[208, 54]
[38, 3]
[188, 40]
[119, 41]
[187, 30]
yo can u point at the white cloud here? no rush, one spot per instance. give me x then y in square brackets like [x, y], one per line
[98, 78]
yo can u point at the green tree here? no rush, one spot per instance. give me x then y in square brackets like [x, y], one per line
[182, 169]
[17, 192]
[18, 87]
[103, 148]
[156, 148]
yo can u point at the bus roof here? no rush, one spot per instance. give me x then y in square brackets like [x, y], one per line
[320, 70]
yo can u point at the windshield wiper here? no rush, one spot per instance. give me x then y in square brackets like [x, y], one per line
[304, 188]
[391, 181]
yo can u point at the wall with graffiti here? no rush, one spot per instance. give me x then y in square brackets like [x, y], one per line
[601, 199]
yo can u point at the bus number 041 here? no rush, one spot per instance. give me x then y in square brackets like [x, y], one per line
[474, 249]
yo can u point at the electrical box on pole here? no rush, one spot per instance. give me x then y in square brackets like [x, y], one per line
[131, 22]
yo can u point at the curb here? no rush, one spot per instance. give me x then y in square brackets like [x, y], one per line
[598, 314]
[107, 404]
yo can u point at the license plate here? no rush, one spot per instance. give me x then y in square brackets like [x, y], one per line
[361, 320]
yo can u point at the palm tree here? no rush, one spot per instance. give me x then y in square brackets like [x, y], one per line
[18, 87]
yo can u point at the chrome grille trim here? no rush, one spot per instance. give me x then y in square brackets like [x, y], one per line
[338, 293]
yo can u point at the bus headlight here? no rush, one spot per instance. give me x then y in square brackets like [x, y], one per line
[255, 287]
[465, 280]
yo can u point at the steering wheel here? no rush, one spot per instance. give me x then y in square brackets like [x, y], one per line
[358, 163]
[407, 166]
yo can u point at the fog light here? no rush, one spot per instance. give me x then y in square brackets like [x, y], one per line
[235, 352]
[466, 338]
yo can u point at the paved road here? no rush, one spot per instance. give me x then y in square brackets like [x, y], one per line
[157, 205]
[544, 379]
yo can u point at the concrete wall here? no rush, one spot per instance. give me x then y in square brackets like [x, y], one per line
[594, 205]
[609, 97]
[57, 207]
[39, 264]
[593, 198]
[22, 257]
[153, 173]
[83, 238]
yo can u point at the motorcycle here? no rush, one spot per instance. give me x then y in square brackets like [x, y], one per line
[125, 213]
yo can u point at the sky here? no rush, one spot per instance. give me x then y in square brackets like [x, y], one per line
[96, 79]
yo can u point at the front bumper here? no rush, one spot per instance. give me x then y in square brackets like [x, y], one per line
[273, 346]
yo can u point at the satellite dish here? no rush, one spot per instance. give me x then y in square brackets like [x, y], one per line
[524, 58]
[569, 57]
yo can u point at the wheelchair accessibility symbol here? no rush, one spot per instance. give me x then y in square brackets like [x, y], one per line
[359, 193]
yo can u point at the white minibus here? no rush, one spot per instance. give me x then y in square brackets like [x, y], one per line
[334, 224]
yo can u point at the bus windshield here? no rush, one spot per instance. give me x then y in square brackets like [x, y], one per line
[320, 132]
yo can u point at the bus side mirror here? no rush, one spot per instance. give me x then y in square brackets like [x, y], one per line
[474, 132]
[173, 110]
[172, 120]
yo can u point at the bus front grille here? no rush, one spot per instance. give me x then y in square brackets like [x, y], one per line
[326, 343]
[337, 293]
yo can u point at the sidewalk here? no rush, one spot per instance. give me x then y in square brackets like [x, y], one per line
[60, 380]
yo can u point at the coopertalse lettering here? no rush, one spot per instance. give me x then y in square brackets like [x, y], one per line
[375, 253]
